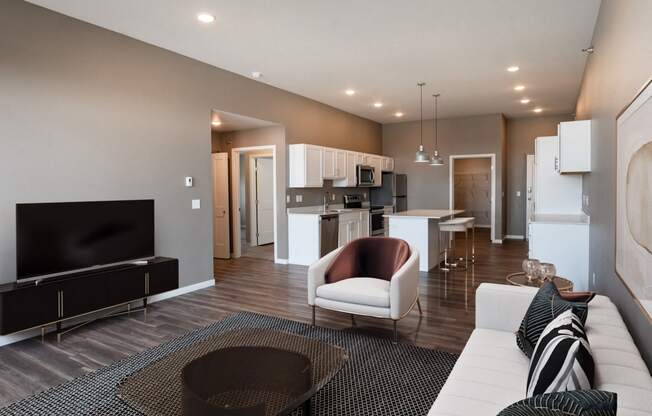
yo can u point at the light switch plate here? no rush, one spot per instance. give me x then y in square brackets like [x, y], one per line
[189, 182]
[287, 199]
[196, 204]
[518, 193]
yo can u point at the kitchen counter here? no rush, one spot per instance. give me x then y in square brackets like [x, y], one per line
[319, 210]
[436, 214]
[561, 218]
[420, 228]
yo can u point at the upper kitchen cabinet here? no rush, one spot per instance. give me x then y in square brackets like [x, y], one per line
[377, 163]
[333, 163]
[305, 166]
[388, 164]
[349, 179]
[574, 147]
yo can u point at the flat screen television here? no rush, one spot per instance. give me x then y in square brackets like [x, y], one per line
[61, 237]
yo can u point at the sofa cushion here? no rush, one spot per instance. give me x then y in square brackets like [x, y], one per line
[489, 375]
[379, 257]
[360, 290]
[570, 403]
[546, 305]
[562, 359]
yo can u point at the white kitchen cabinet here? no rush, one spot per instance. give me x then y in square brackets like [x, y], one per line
[328, 163]
[571, 259]
[364, 224]
[574, 147]
[305, 166]
[361, 159]
[304, 239]
[353, 225]
[349, 179]
[377, 163]
[388, 164]
[340, 164]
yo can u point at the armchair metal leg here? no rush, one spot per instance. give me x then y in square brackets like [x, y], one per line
[352, 320]
[419, 306]
[395, 333]
[313, 315]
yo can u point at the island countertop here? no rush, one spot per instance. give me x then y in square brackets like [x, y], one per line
[436, 214]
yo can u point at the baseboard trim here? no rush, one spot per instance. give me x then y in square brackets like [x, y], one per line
[497, 241]
[515, 237]
[20, 336]
[281, 261]
[482, 226]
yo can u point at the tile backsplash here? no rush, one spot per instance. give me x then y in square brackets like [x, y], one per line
[315, 196]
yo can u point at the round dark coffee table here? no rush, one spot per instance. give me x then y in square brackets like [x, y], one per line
[247, 381]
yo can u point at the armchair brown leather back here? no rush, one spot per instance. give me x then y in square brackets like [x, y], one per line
[378, 257]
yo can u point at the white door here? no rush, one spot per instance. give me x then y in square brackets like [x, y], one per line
[221, 243]
[264, 200]
[529, 193]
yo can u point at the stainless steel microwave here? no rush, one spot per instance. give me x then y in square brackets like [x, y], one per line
[365, 175]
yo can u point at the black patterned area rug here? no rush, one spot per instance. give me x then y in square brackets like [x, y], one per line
[380, 378]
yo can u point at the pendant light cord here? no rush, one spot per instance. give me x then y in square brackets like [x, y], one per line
[436, 123]
[421, 84]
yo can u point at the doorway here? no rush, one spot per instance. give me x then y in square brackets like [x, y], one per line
[473, 188]
[249, 148]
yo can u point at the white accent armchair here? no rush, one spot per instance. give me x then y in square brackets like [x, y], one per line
[368, 296]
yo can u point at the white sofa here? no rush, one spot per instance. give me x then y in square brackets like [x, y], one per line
[491, 372]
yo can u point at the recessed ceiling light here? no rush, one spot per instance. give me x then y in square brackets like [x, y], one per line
[256, 74]
[216, 123]
[205, 18]
[349, 92]
[513, 68]
[398, 114]
[519, 88]
[538, 110]
[378, 104]
[525, 101]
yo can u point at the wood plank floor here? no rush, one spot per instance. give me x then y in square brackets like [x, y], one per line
[256, 285]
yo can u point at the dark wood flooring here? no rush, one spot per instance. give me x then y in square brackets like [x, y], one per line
[256, 285]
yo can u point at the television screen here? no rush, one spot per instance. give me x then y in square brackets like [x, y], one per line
[53, 238]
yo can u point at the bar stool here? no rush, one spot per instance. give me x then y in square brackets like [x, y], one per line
[470, 224]
[456, 225]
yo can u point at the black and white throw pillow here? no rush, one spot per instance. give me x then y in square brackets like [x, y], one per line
[570, 403]
[562, 359]
[546, 305]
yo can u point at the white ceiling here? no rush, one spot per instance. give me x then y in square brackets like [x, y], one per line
[380, 48]
[233, 122]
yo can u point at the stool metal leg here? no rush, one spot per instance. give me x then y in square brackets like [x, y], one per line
[313, 315]
[419, 306]
[395, 333]
[473, 244]
[466, 248]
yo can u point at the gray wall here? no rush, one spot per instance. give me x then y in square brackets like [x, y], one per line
[521, 133]
[89, 114]
[619, 67]
[428, 186]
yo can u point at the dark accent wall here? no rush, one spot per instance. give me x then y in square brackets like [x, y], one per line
[615, 72]
[521, 133]
[89, 114]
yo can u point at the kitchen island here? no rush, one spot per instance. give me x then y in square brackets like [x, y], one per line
[420, 228]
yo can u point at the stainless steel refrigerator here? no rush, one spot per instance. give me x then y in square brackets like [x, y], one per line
[393, 192]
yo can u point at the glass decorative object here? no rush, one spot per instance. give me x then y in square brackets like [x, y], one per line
[547, 271]
[530, 267]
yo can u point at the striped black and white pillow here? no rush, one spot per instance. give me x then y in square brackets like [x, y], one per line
[570, 403]
[546, 305]
[562, 359]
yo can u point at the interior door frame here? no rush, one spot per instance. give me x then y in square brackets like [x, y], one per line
[451, 179]
[235, 196]
[253, 194]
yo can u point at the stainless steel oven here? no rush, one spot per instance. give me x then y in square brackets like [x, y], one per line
[377, 221]
[365, 175]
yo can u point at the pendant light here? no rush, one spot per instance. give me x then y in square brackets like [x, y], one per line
[436, 160]
[421, 155]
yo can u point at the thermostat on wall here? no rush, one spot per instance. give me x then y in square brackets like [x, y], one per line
[188, 181]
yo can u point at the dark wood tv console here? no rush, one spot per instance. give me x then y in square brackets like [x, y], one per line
[58, 299]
